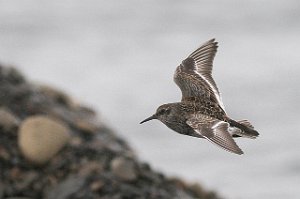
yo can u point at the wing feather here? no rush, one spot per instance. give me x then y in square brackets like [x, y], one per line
[215, 131]
[194, 74]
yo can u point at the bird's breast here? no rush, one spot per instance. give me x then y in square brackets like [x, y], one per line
[180, 127]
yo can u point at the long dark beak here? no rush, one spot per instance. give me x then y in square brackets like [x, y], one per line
[149, 118]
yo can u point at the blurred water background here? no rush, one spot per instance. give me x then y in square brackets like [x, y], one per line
[120, 56]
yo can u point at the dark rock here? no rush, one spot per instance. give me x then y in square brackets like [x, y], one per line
[1, 190]
[11, 75]
[96, 186]
[55, 94]
[66, 188]
[4, 155]
[8, 121]
[18, 198]
[26, 180]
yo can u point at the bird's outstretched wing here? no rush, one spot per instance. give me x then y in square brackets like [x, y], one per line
[215, 131]
[194, 74]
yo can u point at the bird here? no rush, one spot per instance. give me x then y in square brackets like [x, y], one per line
[201, 112]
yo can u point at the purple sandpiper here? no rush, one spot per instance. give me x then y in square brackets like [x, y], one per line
[201, 112]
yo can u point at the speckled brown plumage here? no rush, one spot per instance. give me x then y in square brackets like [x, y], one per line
[201, 112]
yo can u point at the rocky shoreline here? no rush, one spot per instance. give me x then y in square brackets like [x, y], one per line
[54, 148]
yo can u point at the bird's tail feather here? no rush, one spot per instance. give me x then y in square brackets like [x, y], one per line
[246, 123]
[245, 129]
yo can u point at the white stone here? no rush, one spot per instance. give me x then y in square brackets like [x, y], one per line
[41, 137]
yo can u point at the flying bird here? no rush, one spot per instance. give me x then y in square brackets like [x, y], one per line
[201, 112]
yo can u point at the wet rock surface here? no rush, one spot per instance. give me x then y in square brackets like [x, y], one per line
[75, 154]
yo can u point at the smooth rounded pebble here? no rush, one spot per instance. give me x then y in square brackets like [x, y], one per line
[86, 126]
[124, 168]
[56, 94]
[40, 138]
[8, 120]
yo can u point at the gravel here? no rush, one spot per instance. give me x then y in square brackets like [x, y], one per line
[93, 162]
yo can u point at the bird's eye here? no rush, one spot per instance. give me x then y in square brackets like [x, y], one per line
[162, 111]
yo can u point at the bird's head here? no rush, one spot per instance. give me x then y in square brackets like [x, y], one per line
[163, 113]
